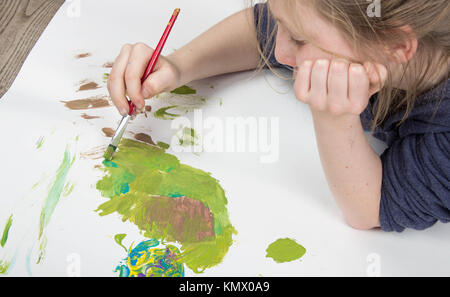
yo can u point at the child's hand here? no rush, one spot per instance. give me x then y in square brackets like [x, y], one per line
[129, 67]
[338, 87]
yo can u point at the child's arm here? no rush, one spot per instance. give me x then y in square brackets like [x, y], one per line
[352, 168]
[229, 46]
[337, 93]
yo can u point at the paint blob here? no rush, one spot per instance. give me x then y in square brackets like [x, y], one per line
[118, 238]
[144, 138]
[87, 86]
[146, 260]
[285, 250]
[184, 90]
[168, 201]
[88, 103]
[109, 132]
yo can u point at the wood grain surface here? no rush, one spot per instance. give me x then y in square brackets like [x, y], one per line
[21, 24]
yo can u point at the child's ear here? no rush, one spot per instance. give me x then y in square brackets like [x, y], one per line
[405, 50]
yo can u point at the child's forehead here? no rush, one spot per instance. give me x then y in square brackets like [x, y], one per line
[302, 21]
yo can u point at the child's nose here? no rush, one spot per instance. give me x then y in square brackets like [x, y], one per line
[285, 52]
[285, 56]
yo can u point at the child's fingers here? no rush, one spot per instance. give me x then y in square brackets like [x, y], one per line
[116, 82]
[137, 64]
[377, 74]
[157, 82]
[358, 91]
[338, 100]
[302, 81]
[319, 77]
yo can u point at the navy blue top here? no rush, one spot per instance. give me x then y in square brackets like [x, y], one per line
[415, 189]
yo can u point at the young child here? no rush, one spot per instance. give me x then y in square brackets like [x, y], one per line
[357, 71]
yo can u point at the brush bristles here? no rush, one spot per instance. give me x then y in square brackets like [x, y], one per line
[109, 152]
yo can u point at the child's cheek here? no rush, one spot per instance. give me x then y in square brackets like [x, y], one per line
[311, 53]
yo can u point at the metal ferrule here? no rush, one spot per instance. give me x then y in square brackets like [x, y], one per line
[120, 130]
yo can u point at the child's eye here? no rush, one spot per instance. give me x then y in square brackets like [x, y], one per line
[298, 42]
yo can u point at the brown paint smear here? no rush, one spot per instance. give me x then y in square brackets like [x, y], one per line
[144, 138]
[180, 213]
[88, 117]
[109, 132]
[83, 55]
[88, 103]
[108, 65]
[94, 153]
[88, 85]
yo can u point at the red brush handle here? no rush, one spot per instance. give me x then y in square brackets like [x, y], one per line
[157, 52]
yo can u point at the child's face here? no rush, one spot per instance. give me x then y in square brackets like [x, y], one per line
[292, 49]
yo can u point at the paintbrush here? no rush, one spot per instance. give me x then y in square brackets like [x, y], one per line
[151, 64]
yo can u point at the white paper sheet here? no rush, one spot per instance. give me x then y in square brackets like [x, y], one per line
[266, 201]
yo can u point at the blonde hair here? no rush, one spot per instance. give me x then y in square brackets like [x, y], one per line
[429, 22]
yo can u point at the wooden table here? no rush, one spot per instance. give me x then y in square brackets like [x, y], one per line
[21, 24]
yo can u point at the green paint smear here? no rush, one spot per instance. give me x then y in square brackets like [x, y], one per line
[164, 115]
[55, 191]
[40, 142]
[163, 145]
[6, 231]
[4, 266]
[180, 103]
[285, 250]
[118, 238]
[42, 246]
[149, 173]
[184, 90]
[35, 185]
[68, 188]
[188, 137]
[105, 77]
